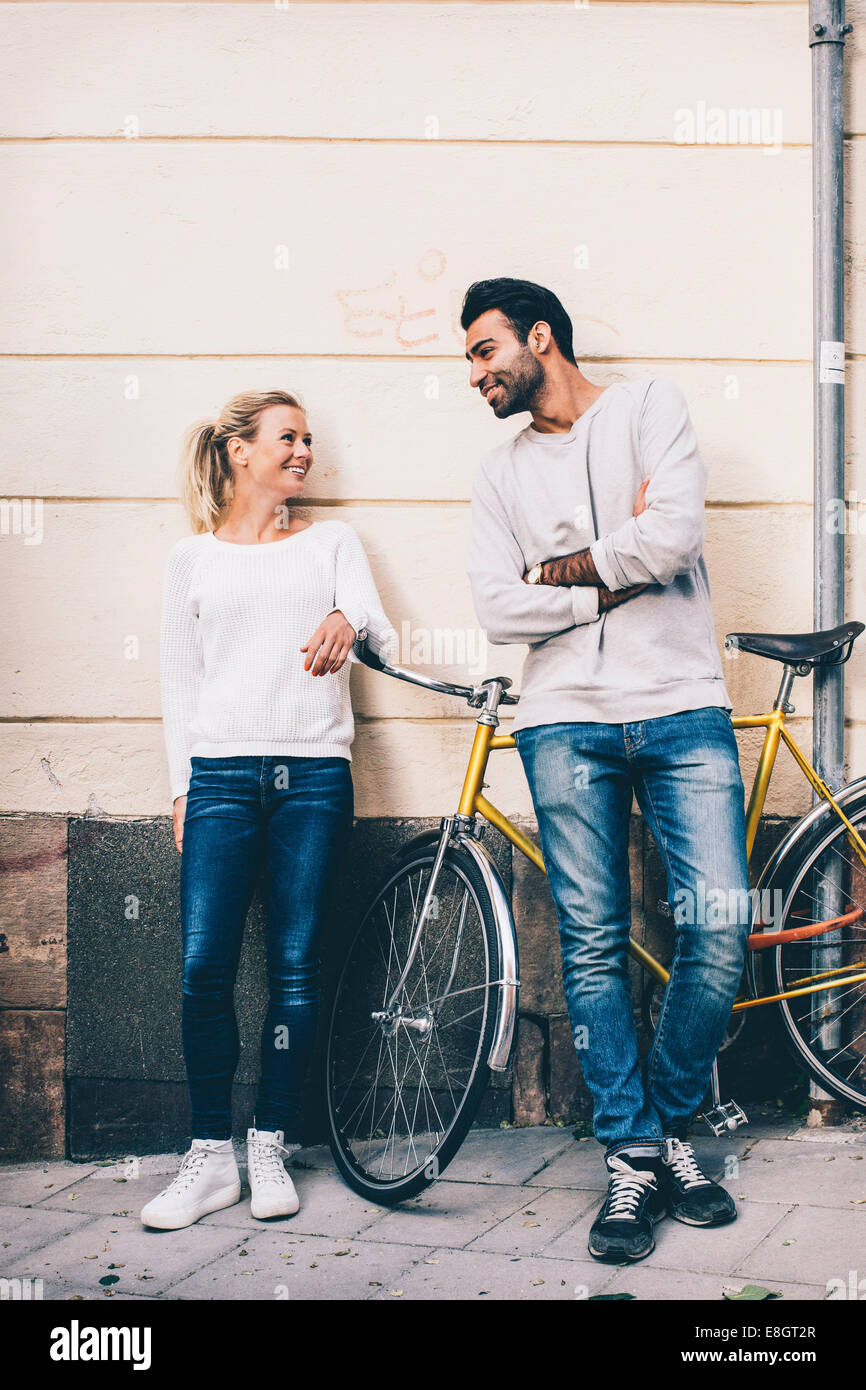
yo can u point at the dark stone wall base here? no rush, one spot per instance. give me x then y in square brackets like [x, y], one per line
[106, 1065]
[31, 1083]
[119, 1119]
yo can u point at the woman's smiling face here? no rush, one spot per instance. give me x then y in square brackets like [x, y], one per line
[281, 455]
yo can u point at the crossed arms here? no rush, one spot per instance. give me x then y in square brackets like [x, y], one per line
[663, 538]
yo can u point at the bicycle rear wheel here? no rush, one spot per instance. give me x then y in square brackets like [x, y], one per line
[827, 1028]
[404, 1083]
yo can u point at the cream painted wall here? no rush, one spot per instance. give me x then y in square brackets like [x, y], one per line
[155, 161]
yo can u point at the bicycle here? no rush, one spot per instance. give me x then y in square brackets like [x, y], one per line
[426, 1003]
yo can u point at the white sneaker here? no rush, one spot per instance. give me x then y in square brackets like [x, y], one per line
[273, 1192]
[208, 1180]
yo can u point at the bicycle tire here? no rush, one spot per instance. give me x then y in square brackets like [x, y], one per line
[389, 1191]
[792, 962]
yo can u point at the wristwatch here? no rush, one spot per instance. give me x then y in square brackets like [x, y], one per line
[534, 575]
[362, 635]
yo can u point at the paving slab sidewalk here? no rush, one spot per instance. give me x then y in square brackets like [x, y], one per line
[508, 1220]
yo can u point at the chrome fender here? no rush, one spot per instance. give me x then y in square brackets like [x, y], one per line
[509, 982]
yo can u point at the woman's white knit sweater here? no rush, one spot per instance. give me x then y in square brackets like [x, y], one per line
[234, 619]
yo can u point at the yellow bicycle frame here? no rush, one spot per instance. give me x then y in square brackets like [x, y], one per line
[473, 802]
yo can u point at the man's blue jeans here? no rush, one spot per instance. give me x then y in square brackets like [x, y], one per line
[684, 771]
[291, 816]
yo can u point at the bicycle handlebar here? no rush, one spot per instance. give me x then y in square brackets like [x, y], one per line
[475, 695]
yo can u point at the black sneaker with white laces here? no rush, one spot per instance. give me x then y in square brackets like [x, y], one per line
[690, 1195]
[623, 1229]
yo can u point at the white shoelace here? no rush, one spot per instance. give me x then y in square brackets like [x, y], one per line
[190, 1169]
[682, 1162]
[627, 1186]
[265, 1162]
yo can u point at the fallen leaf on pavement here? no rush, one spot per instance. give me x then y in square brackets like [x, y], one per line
[749, 1293]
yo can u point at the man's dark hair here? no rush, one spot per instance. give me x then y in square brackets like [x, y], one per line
[522, 303]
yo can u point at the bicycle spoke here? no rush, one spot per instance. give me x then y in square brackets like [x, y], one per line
[837, 1017]
[454, 1021]
[373, 1034]
[427, 1087]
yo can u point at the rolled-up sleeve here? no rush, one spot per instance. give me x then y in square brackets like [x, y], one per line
[508, 609]
[667, 538]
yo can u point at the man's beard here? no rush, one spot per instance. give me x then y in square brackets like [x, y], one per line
[519, 388]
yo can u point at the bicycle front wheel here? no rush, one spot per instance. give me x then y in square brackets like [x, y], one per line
[406, 1074]
[825, 1017]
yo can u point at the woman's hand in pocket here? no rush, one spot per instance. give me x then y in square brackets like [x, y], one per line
[178, 815]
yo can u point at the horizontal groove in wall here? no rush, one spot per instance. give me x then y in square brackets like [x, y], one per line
[389, 357]
[486, 4]
[300, 501]
[60, 719]
[470, 142]
[50, 498]
[769, 5]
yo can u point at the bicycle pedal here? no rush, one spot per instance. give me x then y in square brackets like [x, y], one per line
[724, 1117]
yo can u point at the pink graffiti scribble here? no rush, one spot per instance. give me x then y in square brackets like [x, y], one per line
[369, 313]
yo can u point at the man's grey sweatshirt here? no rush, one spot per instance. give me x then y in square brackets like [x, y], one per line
[540, 496]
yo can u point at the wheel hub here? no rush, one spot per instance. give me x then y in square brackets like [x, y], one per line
[391, 1019]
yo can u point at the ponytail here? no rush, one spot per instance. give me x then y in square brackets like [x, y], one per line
[206, 482]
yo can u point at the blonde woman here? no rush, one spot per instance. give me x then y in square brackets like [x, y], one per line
[261, 609]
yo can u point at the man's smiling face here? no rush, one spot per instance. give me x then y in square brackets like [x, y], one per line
[506, 372]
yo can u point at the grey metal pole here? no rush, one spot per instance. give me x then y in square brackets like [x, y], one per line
[827, 30]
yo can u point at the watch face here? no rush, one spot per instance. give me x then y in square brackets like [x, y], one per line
[535, 574]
